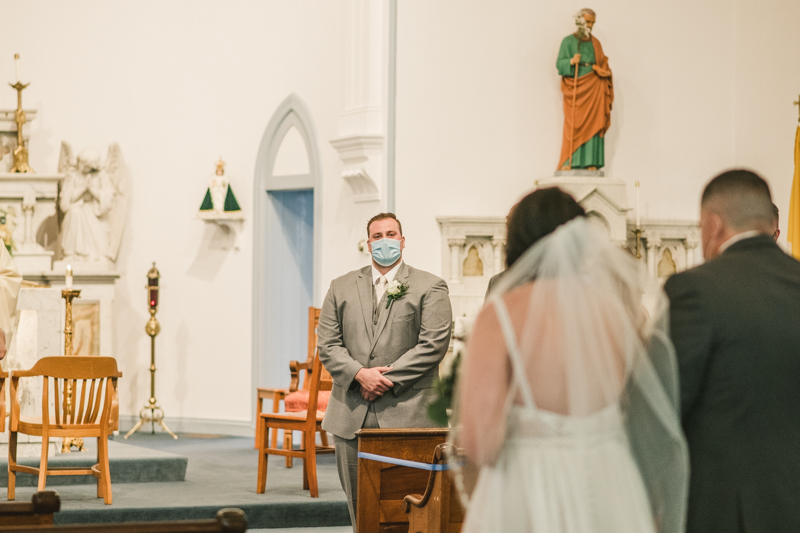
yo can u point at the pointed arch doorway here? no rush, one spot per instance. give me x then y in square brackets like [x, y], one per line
[286, 241]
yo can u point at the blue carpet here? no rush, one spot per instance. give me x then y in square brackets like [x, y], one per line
[221, 473]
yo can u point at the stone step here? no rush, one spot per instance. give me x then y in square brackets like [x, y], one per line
[128, 464]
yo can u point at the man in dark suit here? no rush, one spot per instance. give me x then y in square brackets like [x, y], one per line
[735, 323]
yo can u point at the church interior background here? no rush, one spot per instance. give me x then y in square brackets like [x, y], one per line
[326, 113]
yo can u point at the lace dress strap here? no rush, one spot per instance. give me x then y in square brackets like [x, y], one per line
[518, 369]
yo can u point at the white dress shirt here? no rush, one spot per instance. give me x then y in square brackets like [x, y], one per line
[380, 288]
[736, 238]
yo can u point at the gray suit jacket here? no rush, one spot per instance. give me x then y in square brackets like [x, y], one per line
[735, 323]
[412, 335]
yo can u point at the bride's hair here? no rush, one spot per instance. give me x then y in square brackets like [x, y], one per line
[535, 216]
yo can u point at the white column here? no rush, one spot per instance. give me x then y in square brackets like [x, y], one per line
[363, 122]
[653, 245]
[456, 246]
[690, 247]
[28, 206]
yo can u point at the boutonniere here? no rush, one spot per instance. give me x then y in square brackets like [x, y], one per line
[394, 291]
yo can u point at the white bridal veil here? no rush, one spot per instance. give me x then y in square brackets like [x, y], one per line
[588, 345]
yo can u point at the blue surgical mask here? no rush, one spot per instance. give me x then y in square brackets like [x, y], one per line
[386, 252]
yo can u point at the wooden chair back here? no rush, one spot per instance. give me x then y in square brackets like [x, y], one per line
[313, 326]
[320, 380]
[92, 386]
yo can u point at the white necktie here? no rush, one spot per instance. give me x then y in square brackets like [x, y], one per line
[380, 288]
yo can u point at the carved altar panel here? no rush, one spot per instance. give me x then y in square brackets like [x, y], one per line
[473, 250]
[32, 198]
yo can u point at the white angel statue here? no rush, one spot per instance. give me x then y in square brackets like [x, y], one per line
[94, 201]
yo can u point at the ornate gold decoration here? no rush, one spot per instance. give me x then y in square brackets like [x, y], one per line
[21, 151]
[152, 413]
[220, 167]
[68, 295]
[797, 103]
[638, 233]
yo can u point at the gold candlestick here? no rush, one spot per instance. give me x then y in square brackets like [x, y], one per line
[21, 151]
[637, 231]
[68, 295]
[152, 413]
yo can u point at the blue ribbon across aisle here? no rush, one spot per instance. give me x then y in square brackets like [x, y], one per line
[403, 462]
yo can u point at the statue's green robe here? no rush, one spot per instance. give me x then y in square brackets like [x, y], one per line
[590, 153]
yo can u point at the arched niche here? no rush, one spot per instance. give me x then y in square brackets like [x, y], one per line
[666, 266]
[597, 220]
[473, 264]
[287, 186]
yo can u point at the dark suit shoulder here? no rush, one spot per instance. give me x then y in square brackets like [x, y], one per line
[696, 277]
[751, 274]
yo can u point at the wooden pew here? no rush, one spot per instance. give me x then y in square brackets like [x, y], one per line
[438, 510]
[38, 512]
[227, 521]
[381, 486]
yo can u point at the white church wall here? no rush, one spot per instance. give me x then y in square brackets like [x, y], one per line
[767, 82]
[480, 117]
[178, 84]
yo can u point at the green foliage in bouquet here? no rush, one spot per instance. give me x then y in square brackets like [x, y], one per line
[443, 389]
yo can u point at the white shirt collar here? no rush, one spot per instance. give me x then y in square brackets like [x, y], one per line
[736, 238]
[389, 275]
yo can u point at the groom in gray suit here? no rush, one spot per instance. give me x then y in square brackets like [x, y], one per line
[383, 331]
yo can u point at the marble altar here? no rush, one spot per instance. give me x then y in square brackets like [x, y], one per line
[473, 248]
[38, 333]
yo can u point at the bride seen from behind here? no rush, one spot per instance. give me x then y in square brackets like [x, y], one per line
[568, 398]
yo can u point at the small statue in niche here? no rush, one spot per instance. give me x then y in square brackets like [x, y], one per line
[473, 266]
[667, 266]
[588, 94]
[94, 201]
[219, 201]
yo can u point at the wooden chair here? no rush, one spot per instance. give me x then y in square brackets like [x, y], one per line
[38, 512]
[308, 421]
[228, 520]
[297, 396]
[87, 411]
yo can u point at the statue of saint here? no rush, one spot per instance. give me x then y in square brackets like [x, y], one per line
[94, 203]
[587, 97]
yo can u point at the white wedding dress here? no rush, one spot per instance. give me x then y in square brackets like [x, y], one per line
[559, 473]
[613, 459]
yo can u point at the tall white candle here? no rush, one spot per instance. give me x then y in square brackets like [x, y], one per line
[638, 210]
[69, 277]
[16, 66]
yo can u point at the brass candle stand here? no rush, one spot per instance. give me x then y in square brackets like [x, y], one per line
[69, 295]
[151, 412]
[638, 233]
[21, 151]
